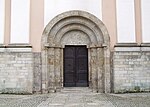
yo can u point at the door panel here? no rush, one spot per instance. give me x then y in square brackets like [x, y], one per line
[81, 66]
[69, 62]
[75, 66]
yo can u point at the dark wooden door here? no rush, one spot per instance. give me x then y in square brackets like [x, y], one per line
[75, 66]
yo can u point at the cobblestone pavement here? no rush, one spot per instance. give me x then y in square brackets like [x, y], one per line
[76, 97]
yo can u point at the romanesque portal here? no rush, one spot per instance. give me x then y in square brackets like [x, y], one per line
[76, 28]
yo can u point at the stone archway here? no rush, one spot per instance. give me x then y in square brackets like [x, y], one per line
[76, 28]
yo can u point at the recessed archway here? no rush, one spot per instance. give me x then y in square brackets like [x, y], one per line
[76, 28]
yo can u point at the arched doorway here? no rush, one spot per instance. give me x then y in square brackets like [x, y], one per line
[75, 28]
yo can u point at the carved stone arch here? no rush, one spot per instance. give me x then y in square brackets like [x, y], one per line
[76, 28]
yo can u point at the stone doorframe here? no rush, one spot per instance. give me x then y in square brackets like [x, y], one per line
[76, 28]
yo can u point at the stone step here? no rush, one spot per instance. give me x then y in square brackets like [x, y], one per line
[76, 90]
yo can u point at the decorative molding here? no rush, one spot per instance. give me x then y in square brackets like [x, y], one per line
[76, 28]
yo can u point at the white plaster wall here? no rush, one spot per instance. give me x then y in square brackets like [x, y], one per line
[125, 21]
[145, 20]
[2, 20]
[55, 7]
[20, 21]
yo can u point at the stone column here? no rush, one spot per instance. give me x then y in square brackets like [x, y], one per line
[51, 70]
[57, 69]
[44, 71]
[93, 64]
[89, 68]
[61, 67]
[100, 70]
[37, 74]
[107, 70]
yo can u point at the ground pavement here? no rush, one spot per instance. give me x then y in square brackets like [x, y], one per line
[76, 97]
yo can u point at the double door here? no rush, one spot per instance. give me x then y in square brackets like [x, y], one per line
[75, 66]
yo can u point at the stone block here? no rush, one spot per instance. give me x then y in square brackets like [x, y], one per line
[15, 74]
[137, 65]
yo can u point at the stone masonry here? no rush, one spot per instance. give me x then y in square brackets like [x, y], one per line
[131, 67]
[125, 69]
[37, 76]
[16, 70]
[76, 28]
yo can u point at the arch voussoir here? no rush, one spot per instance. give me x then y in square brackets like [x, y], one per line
[76, 28]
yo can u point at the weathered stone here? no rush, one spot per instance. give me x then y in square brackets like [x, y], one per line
[37, 74]
[131, 70]
[16, 71]
[76, 28]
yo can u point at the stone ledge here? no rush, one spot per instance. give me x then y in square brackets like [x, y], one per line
[132, 47]
[126, 45]
[127, 49]
[16, 48]
[2, 45]
[145, 45]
